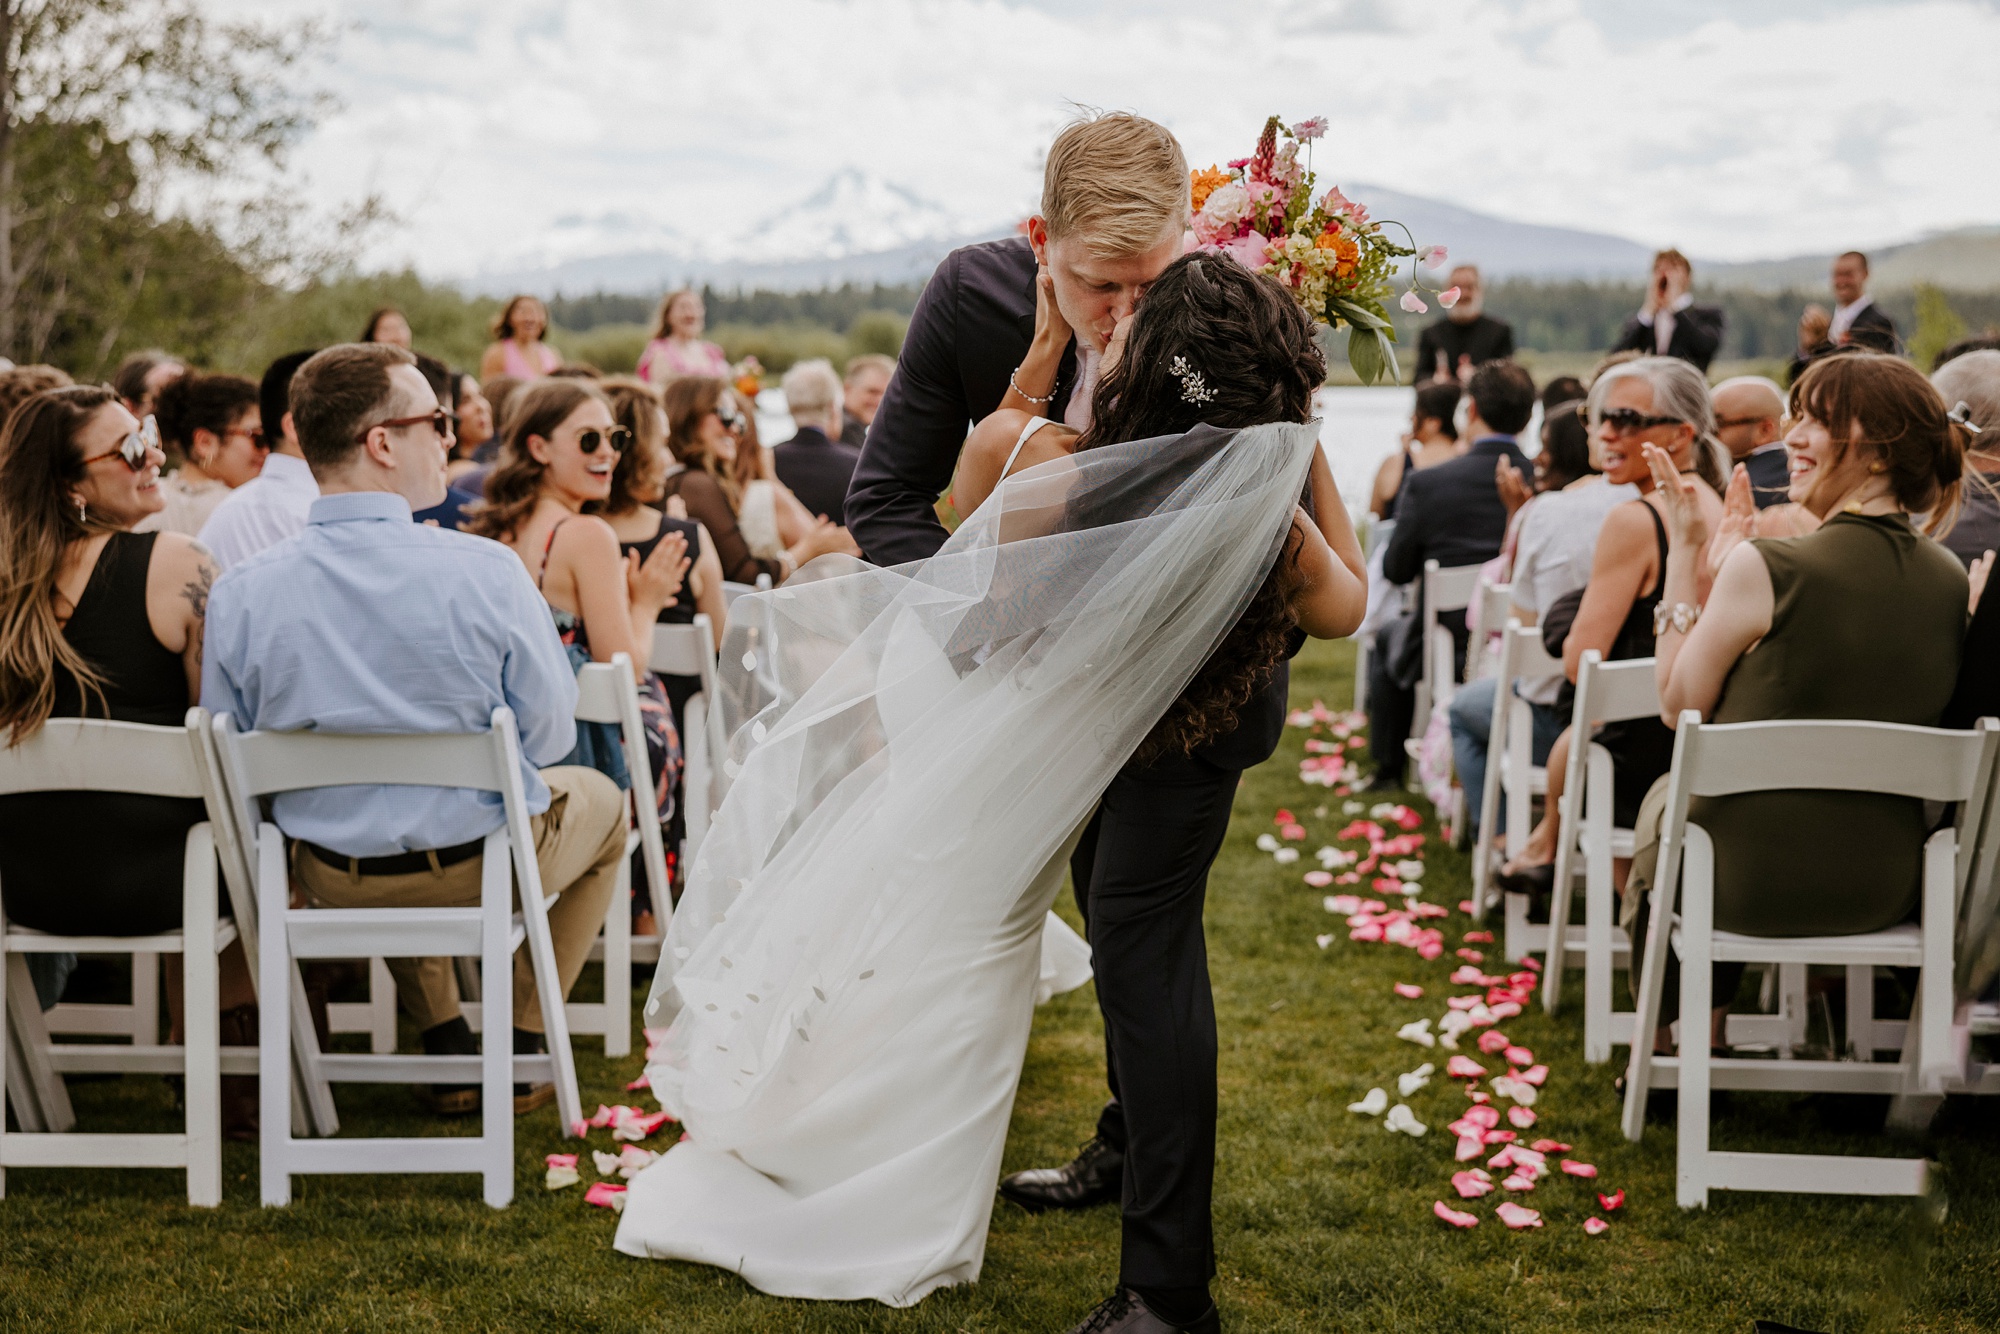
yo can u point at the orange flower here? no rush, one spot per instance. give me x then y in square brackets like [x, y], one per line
[1205, 182]
[1346, 252]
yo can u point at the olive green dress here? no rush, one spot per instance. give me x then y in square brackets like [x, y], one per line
[1866, 623]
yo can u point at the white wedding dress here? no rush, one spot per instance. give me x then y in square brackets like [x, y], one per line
[845, 992]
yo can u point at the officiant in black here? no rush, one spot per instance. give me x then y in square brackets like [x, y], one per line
[1467, 337]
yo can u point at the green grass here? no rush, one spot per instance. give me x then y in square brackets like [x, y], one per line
[1322, 1219]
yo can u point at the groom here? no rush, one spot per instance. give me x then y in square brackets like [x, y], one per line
[1114, 209]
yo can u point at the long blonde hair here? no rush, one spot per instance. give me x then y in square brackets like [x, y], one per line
[38, 524]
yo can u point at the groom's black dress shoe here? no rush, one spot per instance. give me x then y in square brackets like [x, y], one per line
[1096, 1175]
[1125, 1312]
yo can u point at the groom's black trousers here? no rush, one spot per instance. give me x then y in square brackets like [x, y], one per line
[1140, 874]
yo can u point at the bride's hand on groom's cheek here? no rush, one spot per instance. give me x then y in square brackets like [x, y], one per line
[1051, 329]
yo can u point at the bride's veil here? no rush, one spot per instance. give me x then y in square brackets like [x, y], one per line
[902, 751]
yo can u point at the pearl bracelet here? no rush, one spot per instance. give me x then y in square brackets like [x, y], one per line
[1015, 385]
[1680, 618]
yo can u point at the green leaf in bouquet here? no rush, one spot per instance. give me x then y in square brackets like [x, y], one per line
[1364, 355]
[1356, 315]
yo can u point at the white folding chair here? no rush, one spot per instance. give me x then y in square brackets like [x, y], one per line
[1931, 764]
[689, 650]
[1446, 588]
[259, 764]
[1510, 768]
[1496, 606]
[87, 755]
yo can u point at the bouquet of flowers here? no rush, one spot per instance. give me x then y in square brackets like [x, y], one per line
[1333, 258]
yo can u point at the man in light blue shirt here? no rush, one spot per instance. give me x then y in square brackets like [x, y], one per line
[366, 622]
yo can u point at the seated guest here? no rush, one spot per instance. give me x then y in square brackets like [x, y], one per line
[1432, 439]
[444, 382]
[1452, 514]
[213, 422]
[1748, 413]
[1986, 342]
[387, 325]
[475, 429]
[1659, 401]
[1556, 539]
[1859, 619]
[1563, 389]
[271, 506]
[562, 447]
[816, 464]
[1974, 380]
[1670, 324]
[102, 622]
[703, 420]
[18, 384]
[1467, 337]
[861, 393]
[435, 630]
[140, 378]
[677, 347]
[517, 348]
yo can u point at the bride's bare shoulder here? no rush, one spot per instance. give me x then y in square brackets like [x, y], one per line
[996, 433]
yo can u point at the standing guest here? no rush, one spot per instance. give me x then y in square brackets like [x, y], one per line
[1857, 321]
[1670, 324]
[214, 423]
[1432, 439]
[1973, 381]
[1860, 619]
[18, 384]
[816, 463]
[517, 348]
[371, 623]
[677, 347]
[475, 428]
[1466, 338]
[867, 380]
[140, 378]
[273, 505]
[1660, 401]
[1451, 514]
[387, 325]
[1749, 410]
[102, 622]
[562, 448]
[703, 420]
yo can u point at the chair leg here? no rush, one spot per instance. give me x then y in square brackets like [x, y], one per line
[381, 1008]
[1792, 1004]
[1861, 1010]
[202, 1053]
[280, 997]
[1697, 912]
[1598, 911]
[43, 1085]
[618, 964]
[497, 1048]
[1646, 1017]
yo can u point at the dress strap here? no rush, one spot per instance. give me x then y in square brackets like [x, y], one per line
[547, 547]
[1034, 424]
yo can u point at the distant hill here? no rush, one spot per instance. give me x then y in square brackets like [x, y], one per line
[1506, 249]
[1964, 261]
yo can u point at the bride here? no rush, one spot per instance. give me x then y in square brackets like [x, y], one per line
[844, 996]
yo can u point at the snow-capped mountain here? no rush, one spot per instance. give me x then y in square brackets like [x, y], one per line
[852, 213]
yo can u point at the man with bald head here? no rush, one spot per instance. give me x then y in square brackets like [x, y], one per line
[1749, 411]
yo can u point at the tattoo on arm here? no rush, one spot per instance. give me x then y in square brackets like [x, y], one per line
[196, 591]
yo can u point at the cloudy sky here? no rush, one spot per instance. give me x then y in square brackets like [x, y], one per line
[504, 131]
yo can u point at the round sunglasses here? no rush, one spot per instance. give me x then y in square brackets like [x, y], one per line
[618, 437]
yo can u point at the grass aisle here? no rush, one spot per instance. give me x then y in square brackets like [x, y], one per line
[1323, 1218]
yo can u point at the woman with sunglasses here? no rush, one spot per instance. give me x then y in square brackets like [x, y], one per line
[101, 622]
[212, 422]
[562, 446]
[703, 425]
[1663, 402]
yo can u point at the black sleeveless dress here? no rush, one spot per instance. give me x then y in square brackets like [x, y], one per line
[105, 863]
[680, 689]
[1642, 749]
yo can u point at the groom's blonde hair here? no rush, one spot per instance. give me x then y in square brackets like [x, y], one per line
[1118, 180]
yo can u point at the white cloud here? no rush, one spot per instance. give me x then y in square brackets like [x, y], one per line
[1737, 133]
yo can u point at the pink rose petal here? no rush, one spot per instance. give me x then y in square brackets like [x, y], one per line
[1409, 990]
[1517, 1182]
[1517, 1055]
[1596, 1227]
[1577, 1169]
[1547, 1145]
[1319, 879]
[1613, 1201]
[1471, 1186]
[1430, 949]
[1292, 833]
[1455, 1217]
[606, 1196]
[1520, 1117]
[1515, 1216]
[642, 1082]
[1285, 817]
[1505, 1010]
[1464, 1067]
[1532, 964]
[1493, 1040]
[1479, 937]
[1462, 1002]
[1499, 1137]
[1465, 906]
[1477, 1095]
[1471, 956]
[1502, 1160]
[1535, 1075]
[1485, 1117]
[1469, 1147]
[1468, 976]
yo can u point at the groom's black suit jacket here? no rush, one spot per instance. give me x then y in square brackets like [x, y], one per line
[971, 328]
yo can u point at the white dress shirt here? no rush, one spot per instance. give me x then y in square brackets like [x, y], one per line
[262, 512]
[1662, 322]
[1843, 317]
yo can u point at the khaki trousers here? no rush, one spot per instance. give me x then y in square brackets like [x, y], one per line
[579, 843]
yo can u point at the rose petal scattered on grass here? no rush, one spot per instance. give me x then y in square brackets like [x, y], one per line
[1292, 833]
[561, 1171]
[1596, 1227]
[1465, 906]
[1493, 1040]
[607, 1163]
[1484, 1117]
[1535, 1075]
[1478, 937]
[1415, 1079]
[1463, 1067]
[1477, 1095]
[1471, 956]
[1319, 879]
[1285, 856]
[1455, 1217]
[1520, 1117]
[1577, 1169]
[605, 1195]
[1462, 1002]
[1519, 1056]
[1499, 1137]
[1616, 1200]
[1469, 1147]
[1408, 990]
[1518, 1182]
[1532, 964]
[1324, 941]
[1471, 1185]
[1516, 1216]
[1550, 1146]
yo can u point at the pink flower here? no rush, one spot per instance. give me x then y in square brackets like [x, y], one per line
[1448, 297]
[1413, 303]
[1616, 1200]
[1431, 256]
[1250, 250]
[1471, 956]
[1238, 163]
[1308, 130]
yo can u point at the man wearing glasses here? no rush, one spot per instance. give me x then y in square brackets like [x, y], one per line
[367, 622]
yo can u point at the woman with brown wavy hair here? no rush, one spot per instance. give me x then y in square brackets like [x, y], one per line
[517, 348]
[561, 448]
[97, 621]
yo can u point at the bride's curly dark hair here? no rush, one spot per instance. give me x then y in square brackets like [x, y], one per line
[1258, 360]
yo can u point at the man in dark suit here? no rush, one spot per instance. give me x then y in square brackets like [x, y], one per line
[816, 463]
[1670, 324]
[1466, 338]
[1856, 323]
[1749, 410]
[1114, 206]
[1450, 513]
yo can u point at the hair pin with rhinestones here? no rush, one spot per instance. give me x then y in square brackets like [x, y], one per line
[1194, 389]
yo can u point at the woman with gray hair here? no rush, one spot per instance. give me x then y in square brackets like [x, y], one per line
[1659, 401]
[1973, 380]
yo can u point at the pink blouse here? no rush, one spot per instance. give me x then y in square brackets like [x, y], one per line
[664, 358]
[517, 366]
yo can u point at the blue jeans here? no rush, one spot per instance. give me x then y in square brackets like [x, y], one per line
[1471, 715]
